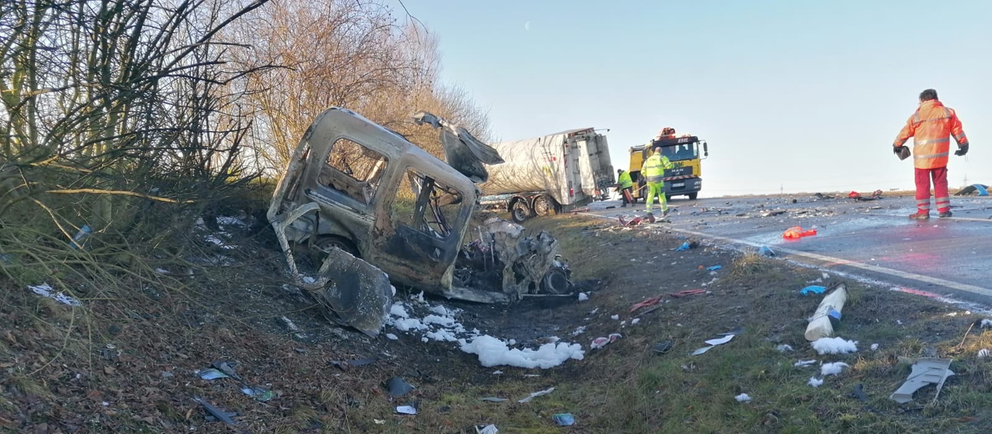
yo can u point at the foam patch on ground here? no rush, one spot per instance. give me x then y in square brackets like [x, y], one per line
[495, 352]
[834, 346]
[441, 324]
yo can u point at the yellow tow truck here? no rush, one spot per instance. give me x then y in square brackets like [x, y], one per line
[685, 178]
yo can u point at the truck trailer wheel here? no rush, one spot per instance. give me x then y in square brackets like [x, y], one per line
[692, 196]
[545, 205]
[520, 211]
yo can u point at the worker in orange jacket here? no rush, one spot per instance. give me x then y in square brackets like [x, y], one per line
[930, 127]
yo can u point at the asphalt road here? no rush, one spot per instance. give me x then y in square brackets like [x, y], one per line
[874, 241]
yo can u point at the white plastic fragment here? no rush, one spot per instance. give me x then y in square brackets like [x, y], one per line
[874, 347]
[783, 348]
[804, 363]
[535, 395]
[743, 398]
[832, 368]
[983, 353]
[835, 345]
[815, 382]
[635, 321]
[583, 296]
[391, 337]
[614, 317]
[406, 409]
[488, 429]
[46, 291]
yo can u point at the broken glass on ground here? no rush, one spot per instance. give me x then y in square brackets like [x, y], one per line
[925, 371]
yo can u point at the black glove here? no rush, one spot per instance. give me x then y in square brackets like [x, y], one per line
[962, 149]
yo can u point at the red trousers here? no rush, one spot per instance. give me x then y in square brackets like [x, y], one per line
[923, 177]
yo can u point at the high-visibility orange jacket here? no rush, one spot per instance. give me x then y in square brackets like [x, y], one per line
[930, 127]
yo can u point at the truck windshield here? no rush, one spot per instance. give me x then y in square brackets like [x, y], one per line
[686, 151]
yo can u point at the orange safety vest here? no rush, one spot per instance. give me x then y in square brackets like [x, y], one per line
[930, 127]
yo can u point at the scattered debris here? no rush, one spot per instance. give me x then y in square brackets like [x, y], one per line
[859, 393]
[832, 368]
[815, 382]
[812, 289]
[635, 321]
[766, 251]
[714, 342]
[583, 296]
[743, 398]
[259, 393]
[783, 348]
[663, 347]
[714, 268]
[494, 352]
[46, 291]
[601, 342]
[834, 346]
[980, 189]
[687, 292]
[687, 245]
[821, 324]
[983, 353]
[615, 317]
[773, 213]
[212, 374]
[564, 419]
[650, 301]
[797, 232]
[379, 421]
[217, 413]
[493, 399]
[536, 394]
[397, 386]
[391, 337]
[877, 194]
[925, 371]
[488, 429]
[804, 363]
[406, 409]
[227, 368]
[874, 347]
[986, 323]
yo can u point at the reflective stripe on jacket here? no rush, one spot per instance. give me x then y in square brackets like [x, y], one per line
[624, 180]
[931, 128]
[654, 167]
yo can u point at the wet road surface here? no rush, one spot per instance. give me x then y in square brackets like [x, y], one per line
[874, 241]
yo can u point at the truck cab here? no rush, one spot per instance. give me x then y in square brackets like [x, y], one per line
[684, 152]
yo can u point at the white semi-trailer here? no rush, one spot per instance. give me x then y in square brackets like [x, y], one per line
[549, 174]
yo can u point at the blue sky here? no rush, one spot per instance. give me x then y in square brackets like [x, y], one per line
[791, 95]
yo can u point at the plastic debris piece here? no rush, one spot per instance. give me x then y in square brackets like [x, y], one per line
[714, 268]
[259, 393]
[601, 342]
[212, 374]
[379, 421]
[217, 413]
[925, 371]
[488, 429]
[396, 386]
[635, 321]
[986, 323]
[874, 347]
[227, 368]
[46, 291]
[714, 342]
[406, 409]
[804, 363]
[743, 398]
[583, 296]
[766, 251]
[391, 337]
[812, 289]
[797, 232]
[685, 246]
[536, 394]
[650, 301]
[493, 399]
[662, 347]
[615, 317]
[815, 382]
[688, 292]
[983, 353]
[859, 393]
[564, 419]
[834, 346]
[832, 368]
[783, 348]
[821, 324]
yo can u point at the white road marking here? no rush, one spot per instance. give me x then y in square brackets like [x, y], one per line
[839, 261]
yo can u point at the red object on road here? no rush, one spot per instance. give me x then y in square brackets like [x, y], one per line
[650, 301]
[797, 232]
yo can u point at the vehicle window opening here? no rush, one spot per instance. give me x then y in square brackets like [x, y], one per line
[426, 205]
[353, 170]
